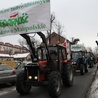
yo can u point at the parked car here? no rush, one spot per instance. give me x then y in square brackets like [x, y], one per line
[20, 66]
[7, 74]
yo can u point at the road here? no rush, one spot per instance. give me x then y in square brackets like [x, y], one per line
[78, 90]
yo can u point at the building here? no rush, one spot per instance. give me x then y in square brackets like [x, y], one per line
[6, 57]
[17, 52]
[22, 57]
[58, 39]
[54, 38]
[10, 49]
[15, 57]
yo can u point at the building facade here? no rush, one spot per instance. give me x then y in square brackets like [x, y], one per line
[10, 49]
[54, 38]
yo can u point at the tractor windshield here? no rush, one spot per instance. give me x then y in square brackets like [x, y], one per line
[76, 54]
[42, 52]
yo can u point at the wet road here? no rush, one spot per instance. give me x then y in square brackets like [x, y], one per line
[78, 90]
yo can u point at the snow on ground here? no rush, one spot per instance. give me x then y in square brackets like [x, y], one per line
[93, 93]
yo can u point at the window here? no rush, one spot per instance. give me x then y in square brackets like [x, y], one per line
[4, 48]
[76, 54]
[64, 54]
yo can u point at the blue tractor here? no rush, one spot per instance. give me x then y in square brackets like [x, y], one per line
[79, 60]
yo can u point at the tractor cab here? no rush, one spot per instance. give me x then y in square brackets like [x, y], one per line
[76, 56]
[57, 54]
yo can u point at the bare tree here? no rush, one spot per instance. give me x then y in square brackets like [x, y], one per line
[52, 18]
[58, 28]
[55, 26]
[35, 41]
[24, 44]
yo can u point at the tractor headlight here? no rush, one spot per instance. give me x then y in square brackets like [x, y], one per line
[35, 77]
[30, 77]
[74, 62]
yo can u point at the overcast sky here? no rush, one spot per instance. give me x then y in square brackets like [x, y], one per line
[79, 18]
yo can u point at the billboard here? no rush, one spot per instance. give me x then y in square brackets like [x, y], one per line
[25, 18]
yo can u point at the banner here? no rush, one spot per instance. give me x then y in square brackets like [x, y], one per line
[25, 18]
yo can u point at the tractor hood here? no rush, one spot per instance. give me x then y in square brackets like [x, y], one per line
[74, 59]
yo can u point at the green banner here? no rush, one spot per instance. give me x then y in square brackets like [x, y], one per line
[25, 18]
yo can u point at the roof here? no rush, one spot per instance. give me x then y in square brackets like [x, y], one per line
[5, 55]
[23, 55]
[55, 34]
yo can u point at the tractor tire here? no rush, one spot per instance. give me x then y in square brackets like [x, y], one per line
[86, 68]
[21, 86]
[13, 83]
[91, 64]
[54, 84]
[68, 75]
[81, 69]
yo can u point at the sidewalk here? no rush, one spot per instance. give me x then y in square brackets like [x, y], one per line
[93, 90]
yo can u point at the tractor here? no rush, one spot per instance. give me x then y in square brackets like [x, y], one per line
[91, 59]
[79, 60]
[49, 65]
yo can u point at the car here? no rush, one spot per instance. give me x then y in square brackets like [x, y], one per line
[7, 74]
[20, 66]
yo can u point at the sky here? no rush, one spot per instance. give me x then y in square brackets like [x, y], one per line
[79, 18]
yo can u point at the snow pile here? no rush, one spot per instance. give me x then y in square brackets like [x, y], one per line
[94, 88]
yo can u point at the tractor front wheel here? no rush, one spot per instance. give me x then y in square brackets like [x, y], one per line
[21, 85]
[54, 84]
[82, 69]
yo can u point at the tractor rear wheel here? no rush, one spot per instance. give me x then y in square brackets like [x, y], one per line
[67, 75]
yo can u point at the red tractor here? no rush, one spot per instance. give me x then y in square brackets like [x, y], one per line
[49, 65]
